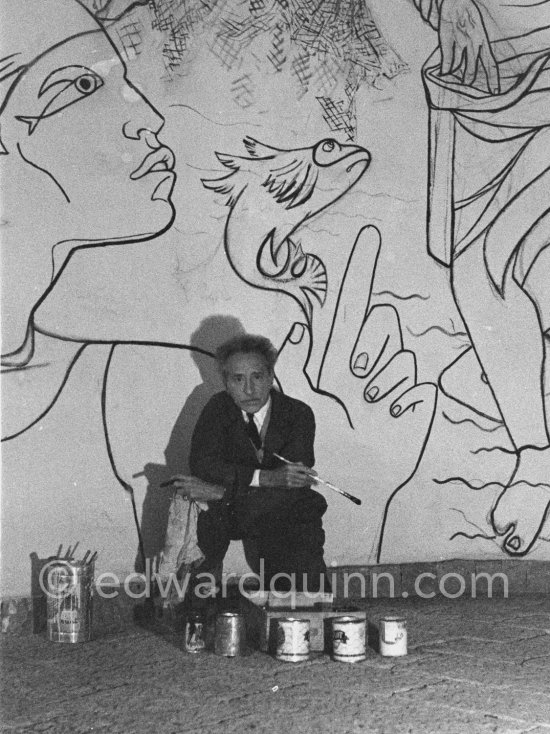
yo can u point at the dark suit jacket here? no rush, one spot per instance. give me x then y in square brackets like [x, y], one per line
[222, 453]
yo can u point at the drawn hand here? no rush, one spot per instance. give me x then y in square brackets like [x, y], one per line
[376, 378]
[384, 416]
[464, 43]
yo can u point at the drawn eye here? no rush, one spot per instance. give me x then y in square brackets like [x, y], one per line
[62, 88]
[327, 152]
[70, 90]
[87, 83]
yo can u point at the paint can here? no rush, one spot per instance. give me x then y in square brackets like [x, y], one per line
[69, 590]
[195, 633]
[292, 640]
[393, 636]
[230, 634]
[349, 639]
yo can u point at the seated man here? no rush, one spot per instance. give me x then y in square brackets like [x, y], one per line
[251, 493]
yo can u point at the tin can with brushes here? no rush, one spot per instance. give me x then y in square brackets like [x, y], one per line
[69, 591]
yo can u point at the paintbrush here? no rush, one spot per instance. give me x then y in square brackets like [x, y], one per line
[323, 481]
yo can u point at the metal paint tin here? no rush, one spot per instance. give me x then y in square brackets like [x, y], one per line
[69, 591]
[349, 639]
[230, 636]
[195, 633]
[393, 636]
[292, 639]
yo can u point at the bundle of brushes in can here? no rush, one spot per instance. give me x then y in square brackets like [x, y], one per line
[68, 583]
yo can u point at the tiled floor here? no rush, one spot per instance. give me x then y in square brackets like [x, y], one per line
[473, 666]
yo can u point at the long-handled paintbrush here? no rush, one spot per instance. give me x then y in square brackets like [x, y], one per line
[323, 481]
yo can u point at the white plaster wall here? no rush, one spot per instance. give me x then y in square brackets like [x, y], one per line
[179, 289]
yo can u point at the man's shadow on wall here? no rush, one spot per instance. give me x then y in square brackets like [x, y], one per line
[211, 333]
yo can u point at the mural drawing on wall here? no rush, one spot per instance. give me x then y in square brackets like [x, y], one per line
[488, 221]
[119, 280]
[285, 188]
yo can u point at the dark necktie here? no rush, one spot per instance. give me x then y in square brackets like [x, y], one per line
[252, 431]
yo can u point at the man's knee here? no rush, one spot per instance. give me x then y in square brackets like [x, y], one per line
[309, 508]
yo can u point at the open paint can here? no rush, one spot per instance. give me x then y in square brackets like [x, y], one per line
[292, 640]
[393, 636]
[349, 639]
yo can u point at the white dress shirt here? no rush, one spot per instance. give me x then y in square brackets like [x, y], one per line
[259, 420]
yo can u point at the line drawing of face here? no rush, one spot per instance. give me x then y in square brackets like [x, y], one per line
[81, 163]
[248, 381]
[76, 121]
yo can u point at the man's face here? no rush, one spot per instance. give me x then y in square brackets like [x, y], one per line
[248, 380]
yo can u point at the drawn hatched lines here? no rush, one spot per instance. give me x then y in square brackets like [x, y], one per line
[325, 45]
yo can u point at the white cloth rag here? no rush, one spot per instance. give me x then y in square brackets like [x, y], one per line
[180, 545]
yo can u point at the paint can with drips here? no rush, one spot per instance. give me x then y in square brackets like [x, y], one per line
[292, 640]
[349, 639]
[230, 635]
[69, 590]
[393, 636]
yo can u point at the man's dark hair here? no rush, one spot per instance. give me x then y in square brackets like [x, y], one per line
[247, 344]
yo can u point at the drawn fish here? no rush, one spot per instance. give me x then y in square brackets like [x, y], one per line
[271, 193]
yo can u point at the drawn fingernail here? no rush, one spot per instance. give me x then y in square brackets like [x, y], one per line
[361, 361]
[296, 334]
[371, 393]
[514, 543]
[395, 410]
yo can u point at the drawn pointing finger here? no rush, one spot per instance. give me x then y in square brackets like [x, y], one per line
[350, 314]
[380, 339]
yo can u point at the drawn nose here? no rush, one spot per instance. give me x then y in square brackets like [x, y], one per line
[143, 116]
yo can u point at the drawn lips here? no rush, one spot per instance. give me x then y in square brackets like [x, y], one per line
[160, 159]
